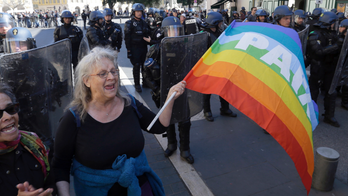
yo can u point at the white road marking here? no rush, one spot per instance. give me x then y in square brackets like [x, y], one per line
[193, 181]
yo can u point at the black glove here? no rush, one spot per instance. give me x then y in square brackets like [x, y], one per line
[340, 41]
[129, 55]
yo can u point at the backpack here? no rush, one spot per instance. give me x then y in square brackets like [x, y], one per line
[133, 104]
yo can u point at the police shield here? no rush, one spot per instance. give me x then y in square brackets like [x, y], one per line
[41, 80]
[303, 37]
[341, 71]
[178, 56]
[84, 48]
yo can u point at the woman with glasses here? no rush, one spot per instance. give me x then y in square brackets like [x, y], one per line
[24, 165]
[99, 139]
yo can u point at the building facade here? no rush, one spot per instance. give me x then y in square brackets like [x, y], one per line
[71, 5]
[12, 6]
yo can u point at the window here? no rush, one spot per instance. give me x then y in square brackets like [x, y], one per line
[54, 1]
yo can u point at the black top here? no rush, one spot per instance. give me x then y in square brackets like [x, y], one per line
[96, 145]
[19, 166]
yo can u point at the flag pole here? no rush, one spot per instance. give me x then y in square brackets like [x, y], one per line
[160, 112]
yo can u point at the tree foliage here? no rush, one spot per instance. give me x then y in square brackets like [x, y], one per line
[111, 3]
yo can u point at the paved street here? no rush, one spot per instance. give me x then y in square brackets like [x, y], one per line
[233, 156]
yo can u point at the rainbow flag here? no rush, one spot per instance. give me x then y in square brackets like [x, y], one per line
[259, 69]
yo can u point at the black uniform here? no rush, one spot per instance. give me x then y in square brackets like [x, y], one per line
[74, 33]
[96, 37]
[298, 27]
[84, 18]
[190, 25]
[311, 23]
[114, 31]
[134, 31]
[152, 78]
[206, 97]
[323, 48]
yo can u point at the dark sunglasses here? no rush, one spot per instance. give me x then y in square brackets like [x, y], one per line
[11, 110]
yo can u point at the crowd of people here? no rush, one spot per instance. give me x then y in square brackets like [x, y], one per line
[99, 139]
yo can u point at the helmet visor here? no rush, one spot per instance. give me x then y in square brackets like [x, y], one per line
[173, 31]
[14, 45]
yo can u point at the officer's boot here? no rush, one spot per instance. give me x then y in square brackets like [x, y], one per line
[136, 77]
[329, 106]
[172, 143]
[184, 135]
[344, 95]
[225, 108]
[206, 107]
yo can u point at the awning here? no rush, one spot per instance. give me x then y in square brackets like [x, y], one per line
[218, 4]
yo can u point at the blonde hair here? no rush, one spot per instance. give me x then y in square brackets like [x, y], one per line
[83, 94]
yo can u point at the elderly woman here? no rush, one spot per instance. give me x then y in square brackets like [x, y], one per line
[23, 156]
[100, 135]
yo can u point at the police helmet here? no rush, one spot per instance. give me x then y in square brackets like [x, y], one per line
[151, 11]
[282, 11]
[243, 8]
[235, 12]
[66, 14]
[174, 10]
[327, 19]
[6, 20]
[18, 39]
[308, 14]
[317, 12]
[344, 23]
[261, 12]
[95, 16]
[300, 13]
[171, 27]
[108, 12]
[334, 10]
[340, 16]
[137, 7]
[213, 19]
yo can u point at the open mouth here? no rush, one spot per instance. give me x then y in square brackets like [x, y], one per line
[110, 87]
[9, 128]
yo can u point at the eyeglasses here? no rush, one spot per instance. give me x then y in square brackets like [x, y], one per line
[104, 74]
[11, 110]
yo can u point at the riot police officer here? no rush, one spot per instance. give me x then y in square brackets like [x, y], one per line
[324, 47]
[134, 32]
[171, 27]
[150, 20]
[190, 24]
[67, 30]
[314, 18]
[6, 22]
[18, 39]
[112, 30]
[299, 20]
[282, 16]
[342, 33]
[212, 25]
[95, 34]
[261, 15]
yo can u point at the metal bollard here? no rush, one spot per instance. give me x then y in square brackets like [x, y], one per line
[325, 168]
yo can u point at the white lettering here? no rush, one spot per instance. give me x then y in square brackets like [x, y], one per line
[252, 39]
[284, 65]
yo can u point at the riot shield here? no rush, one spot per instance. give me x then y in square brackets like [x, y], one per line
[84, 48]
[178, 56]
[304, 37]
[341, 69]
[41, 80]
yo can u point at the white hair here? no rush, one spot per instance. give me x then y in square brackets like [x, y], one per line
[82, 93]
